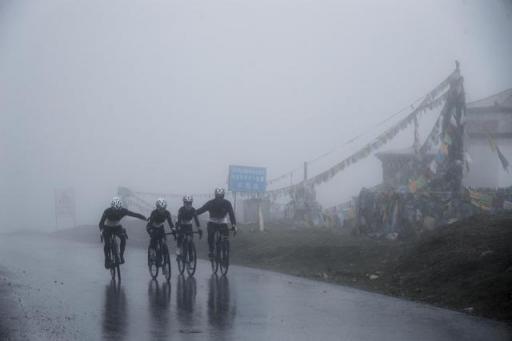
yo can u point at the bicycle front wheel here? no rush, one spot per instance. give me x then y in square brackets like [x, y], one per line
[181, 259]
[152, 263]
[191, 259]
[166, 266]
[214, 260]
[224, 259]
[114, 260]
[118, 270]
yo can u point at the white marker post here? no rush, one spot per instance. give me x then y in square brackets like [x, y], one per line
[261, 223]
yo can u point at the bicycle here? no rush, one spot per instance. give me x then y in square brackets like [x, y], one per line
[159, 258]
[221, 250]
[114, 260]
[188, 257]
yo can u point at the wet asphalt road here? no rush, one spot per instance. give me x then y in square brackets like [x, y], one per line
[63, 293]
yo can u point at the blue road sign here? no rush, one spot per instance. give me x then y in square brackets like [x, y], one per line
[247, 179]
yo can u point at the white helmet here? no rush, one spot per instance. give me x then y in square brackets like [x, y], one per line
[219, 192]
[161, 203]
[187, 199]
[116, 203]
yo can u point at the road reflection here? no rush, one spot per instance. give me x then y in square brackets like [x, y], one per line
[186, 301]
[115, 319]
[159, 296]
[221, 312]
[186, 293]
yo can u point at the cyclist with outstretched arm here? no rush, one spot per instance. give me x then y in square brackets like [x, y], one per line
[218, 208]
[110, 223]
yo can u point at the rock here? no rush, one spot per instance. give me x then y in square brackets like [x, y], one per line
[325, 276]
[486, 253]
[469, 310]
[429, 223]
[373, 277]
[392, 236]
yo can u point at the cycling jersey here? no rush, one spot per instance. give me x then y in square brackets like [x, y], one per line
[158, 217]
[112, 217]
[186, 214]
[218, 208]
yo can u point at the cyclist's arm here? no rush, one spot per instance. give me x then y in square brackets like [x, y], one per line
[102, 221]
[180, 216]
[231, 214]
[135, 215]
[196, 220]
[203, 209]
[151, 219]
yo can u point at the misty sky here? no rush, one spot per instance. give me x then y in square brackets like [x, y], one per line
[164, 95]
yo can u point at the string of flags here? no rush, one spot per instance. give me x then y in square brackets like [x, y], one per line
[495, 148]
[432, 100]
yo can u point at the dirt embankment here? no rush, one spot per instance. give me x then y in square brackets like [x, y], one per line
[465, 266]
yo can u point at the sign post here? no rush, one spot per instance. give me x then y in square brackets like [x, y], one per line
[248, 180]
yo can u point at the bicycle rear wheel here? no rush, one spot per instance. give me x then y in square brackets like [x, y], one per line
[191, 259]
[224, 259]
[166, 266]
[152, 262]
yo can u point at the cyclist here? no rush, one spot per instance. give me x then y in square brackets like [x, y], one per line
[156, 222]
[218, 208]
[186, 214]
[111, 223]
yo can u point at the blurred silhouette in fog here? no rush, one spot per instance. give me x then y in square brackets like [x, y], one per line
[220, 311]
[115, 319]
[159, 301]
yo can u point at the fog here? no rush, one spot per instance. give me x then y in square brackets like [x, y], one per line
[164, 95]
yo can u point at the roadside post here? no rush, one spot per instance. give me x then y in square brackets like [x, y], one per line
[245, 179]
